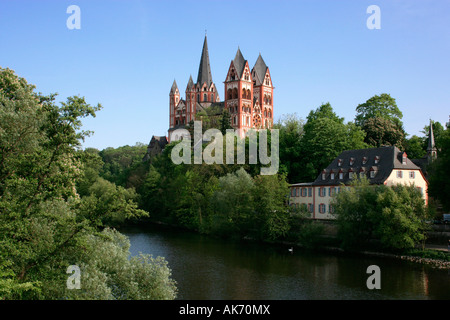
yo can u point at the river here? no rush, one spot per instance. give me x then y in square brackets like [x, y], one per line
[206, 268]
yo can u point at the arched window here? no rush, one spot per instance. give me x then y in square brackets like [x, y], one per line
[198, 97]
[244, 96]
[230, 94]
[270, 114]
[249, 94]
[235, 93]
[205, 97]
[265, 113]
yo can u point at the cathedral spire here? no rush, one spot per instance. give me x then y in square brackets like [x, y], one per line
[204, 70]
[431, 149]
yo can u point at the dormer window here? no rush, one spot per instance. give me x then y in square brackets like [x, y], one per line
[332, 176]
[373, 173]
[350, 174]
[352, 161]
[364, 160]
[339, 162]
[404, 158]
[377, 159]
[341, 174]
[324, 175]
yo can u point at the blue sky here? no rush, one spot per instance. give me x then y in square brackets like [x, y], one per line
[128, 52]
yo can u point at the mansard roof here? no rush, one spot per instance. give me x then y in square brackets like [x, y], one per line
[204, 70]
[260, 69]
[382, 160]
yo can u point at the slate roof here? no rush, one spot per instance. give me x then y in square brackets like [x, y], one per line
[389, 158]
[174, 87]
[239, 63]
[190, 84]
[204, 70]
[260, 69]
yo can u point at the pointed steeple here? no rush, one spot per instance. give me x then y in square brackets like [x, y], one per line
[190, 83]
[174, 87]
[431, 149]
[239, 62]
[260, 69]
[431, 144]
[204, 70]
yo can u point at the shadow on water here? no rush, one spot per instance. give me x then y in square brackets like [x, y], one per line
[210, 268]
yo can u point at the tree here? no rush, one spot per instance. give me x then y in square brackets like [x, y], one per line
[43, 227]
[325, 137]
[271, 217]
[291, 130]
[439, 172]
[379, 106]
[233, 204]
[380, 132]
[380, 118]
[414, 147]
[225, 121]
[396, 216]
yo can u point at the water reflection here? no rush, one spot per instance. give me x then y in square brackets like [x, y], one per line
[206, 268]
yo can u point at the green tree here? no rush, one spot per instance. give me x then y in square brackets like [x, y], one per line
[291, 130]
[325, 137]
[271, 216]
[414, 147]
[43, 228]
[233, 204]
[380, 118]
[394, 215]
[439, 172]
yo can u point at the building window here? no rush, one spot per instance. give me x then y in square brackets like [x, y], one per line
[377, 159]
[341, 175]
[322, 208]
[331, 208]
[352, 161]
[324, 175]
[310, 207]
[321, 192]
[309, 192]
[399, 174]
[303, 192]
[350, 175]
[372, 174]
[332, 176]
[412, 174]
[205, 97]
[339, 162]
[364, 161]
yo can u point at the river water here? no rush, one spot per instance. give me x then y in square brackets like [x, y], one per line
[206, 268]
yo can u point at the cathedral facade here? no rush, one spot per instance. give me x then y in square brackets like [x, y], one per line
[248, 95]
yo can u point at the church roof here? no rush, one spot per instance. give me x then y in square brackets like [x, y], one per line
[174, 87]
[431, 144]
[382, 160]
[239, 62]
[204, 70]
[260, 69]
[190, 84]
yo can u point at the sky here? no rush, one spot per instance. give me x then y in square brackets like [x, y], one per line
[127, 53]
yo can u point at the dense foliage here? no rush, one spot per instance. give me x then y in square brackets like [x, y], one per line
[55, 209]
[395, 216]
